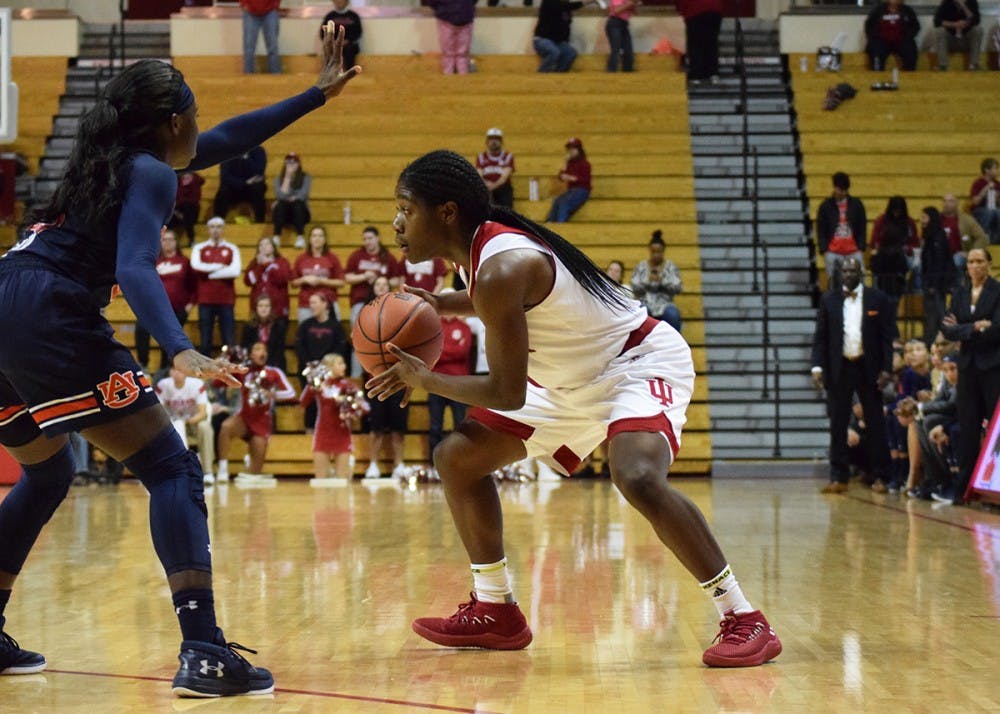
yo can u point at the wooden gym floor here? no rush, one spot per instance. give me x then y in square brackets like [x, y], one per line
[882, 604]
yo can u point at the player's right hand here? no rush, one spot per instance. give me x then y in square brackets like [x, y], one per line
[427, 297]
[195, 364]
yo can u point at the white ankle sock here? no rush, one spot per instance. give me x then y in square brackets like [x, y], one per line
[223, 466]
[726, 594]
[491, 581]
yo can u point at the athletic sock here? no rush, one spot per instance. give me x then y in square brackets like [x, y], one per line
[726, 594]
[491, 581]
[196, 613]
[4, 599]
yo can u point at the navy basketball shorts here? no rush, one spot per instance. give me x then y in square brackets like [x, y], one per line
[61, 369]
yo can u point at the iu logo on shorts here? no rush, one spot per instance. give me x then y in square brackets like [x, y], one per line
[120, 390]
[661, 391]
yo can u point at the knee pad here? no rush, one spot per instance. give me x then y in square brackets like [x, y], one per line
[178, 517]
[30, 504]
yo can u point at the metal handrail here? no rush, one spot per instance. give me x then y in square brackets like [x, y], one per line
[739, 50]
[777, 401]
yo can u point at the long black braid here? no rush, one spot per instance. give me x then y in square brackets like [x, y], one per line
[441, 176]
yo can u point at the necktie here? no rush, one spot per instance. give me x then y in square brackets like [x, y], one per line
[850, 294]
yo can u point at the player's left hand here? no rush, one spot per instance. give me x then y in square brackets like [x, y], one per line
[333, 77]
[407, 374]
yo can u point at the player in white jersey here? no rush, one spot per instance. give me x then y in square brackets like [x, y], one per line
[572, 360]
[186, 402]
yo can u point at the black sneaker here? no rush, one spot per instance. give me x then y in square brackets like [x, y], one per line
[216, 669]
[14, 660]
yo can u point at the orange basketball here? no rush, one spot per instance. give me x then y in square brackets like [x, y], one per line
[405, 320]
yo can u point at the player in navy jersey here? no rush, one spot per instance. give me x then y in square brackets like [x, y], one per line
[62, 370]
[572, 361]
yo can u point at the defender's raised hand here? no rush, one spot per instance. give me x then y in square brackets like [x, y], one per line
[333, 76]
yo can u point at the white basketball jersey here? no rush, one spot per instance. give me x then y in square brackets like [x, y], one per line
[572, 335]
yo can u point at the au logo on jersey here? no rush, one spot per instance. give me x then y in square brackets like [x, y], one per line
[120, 390]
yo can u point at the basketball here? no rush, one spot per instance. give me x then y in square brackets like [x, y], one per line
[405, 320]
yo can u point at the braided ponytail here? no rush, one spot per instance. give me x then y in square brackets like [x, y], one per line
[442, 176]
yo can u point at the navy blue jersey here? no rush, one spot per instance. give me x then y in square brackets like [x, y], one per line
[126, 253]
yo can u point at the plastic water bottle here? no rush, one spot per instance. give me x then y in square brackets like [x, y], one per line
[991, 198]
[804, 64]
[895, 76]
[347, 214]
[532, 189]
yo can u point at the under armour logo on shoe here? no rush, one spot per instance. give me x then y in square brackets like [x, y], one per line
[191, 605]
[206, 668]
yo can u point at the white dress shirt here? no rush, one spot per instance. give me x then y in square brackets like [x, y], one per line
[852, 323]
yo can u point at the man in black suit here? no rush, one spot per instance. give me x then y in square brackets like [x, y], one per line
[852, 353]
[974, 319]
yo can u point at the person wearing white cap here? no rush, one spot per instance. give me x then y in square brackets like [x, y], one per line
[496, 166]
[217, 264]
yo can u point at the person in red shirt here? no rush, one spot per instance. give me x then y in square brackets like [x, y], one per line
[317, 270]
[341, 404]
[268, 274]
[702, 20]
[983, 199]
[456, 359]
[891, 29]
[496, 166]
[179, 281]
[364, 265]
[427, 275]
[187, 205]
[263, 386]
[575, 173]
[216, 262]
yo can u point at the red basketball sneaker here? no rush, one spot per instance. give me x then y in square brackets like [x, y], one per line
[743, 641]
[490, 625]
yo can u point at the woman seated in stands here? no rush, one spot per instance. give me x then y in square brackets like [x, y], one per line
[264, 326]
[291, 191]
[656, 281]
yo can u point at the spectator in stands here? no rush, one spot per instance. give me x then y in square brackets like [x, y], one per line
[364, 265]
[841, 227]
[957, 29]
[266, 326]
[983, 199]
[893, 242]
[269, 274]
[496, 166]
[454, 26]
[263, 387]
[962, 230]
[852, 353]
[914, 383]
[291, 200]
[616, 271]
[186, 401]
[891, 29]
[343, 15]
[974, 319]
[187, 205]
[702, 20]
[387, 418]
[937, 269]
[223, 402]
[261, 16]
[619, 37]
[575, 175]
[216, 263]
[456, 359]
[551, 40]
[341, 404]
[318, 336]
[926, 460]
[427, 275]
[241, 179]
[317, 270]
[655, 282]
[181, 284]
